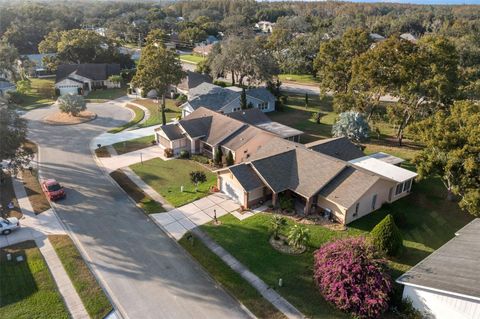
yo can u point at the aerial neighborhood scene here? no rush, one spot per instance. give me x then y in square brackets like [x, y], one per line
[239, 159]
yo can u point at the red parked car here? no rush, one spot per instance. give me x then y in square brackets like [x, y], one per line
[53, 189]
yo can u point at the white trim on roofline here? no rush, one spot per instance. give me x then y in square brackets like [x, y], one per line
[451, 293]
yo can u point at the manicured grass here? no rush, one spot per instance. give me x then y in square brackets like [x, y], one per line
[139, 115]
[133, 145]
[229, 279]
[432, 221]
[41, 94]
[299, 78]
[171, 111]
[102, 95]
[7, 195]
[35, 194]
[27, 289]
[166, 177]
[296, 115]
[92, 295]
[145, 202]
[192, 58]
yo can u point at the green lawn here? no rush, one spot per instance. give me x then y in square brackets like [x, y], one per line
[171, 111]
[92, 295]
[192, 58]
[166, 177]
[432, 222]
[139, 115]
[27, 289]
[299, 78]
[133, 145]
[229, 279]
[102, 95]
[296, 115]
[41, 94]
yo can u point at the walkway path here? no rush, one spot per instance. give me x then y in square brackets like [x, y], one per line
[109, 138]
[37, 228]
[146, 112]
[115, 162]
[269, 294]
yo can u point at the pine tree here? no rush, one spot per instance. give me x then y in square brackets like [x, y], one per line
[243, 100]
[229, 158]
[387, 237]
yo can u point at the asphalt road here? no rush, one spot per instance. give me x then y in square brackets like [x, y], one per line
[145, 272]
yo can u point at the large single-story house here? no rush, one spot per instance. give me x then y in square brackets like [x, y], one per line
[347, 190]
[265, 26]
[226, 100]
[6, 86]
[82, 78]
[446, 284]
[204, 131]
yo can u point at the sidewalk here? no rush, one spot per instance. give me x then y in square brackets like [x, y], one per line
[269, 294]
[118, 161]
[37, 228]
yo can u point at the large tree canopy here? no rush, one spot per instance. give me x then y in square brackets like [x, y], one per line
[452, 151]
[13, 132]
[8, 60]
[82, 46]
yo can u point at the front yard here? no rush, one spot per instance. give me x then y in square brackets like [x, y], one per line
[171, 111]
[432, 221]
[27, 289]
[103, 95]
[167, 177]
[134, 145]
[42, 93]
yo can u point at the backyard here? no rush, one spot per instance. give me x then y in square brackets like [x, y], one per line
[431, 221]
[171, 111]
[167, 177]
[27, 289]
[306, 79]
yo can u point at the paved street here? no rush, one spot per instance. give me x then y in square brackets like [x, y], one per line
[145, 272]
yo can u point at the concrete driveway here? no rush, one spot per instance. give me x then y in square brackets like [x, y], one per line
[182, 219]
[146, 274]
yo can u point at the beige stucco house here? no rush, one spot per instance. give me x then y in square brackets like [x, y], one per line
[345, 187]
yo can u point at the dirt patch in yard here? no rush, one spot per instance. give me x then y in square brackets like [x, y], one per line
[61, 118]
[102, 152]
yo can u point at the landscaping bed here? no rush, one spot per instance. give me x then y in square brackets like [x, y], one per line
[102, 152]
[229, 279]
[145, 202]
[27, 289]
[7, 195]
[34, 191]
[166, 177]
[139, 115]
[171, 111]
[134, 145]
[94, 299]
[61, 118]
[430, 221]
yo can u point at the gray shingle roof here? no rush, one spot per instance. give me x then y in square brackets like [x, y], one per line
[348, 186]
[287, 165]
[261, 94]
[251, 116]
[246, 177]
[194, 79]
[93, 71]
[172, 131]
[454, 267]
[338, 147]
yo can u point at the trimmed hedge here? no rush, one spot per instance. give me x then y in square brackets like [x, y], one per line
[387, 237]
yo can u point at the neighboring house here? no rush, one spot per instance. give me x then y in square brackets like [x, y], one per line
[6, 86]
[315, 181]
[192, 80]
[36, 67]
[204, 131]
[446, 284]
[257, 118]
[82, 78]
[265, 26]
[226, 100]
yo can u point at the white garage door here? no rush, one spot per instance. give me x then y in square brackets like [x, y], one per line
[230, 190]
[68, 90]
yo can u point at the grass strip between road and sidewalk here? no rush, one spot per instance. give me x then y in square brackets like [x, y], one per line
[139, 115]
[27, 289]
[34, 191]
[149, 205]
[229, 279]
[93, 297]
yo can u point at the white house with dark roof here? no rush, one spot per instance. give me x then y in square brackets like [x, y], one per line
[226, 100]
[82, 78]
[446, 284]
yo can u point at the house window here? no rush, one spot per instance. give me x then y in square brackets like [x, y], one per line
[374, 201]
[406, 185]
[399, 188]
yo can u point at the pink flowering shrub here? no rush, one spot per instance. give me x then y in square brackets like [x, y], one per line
[350, 275]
